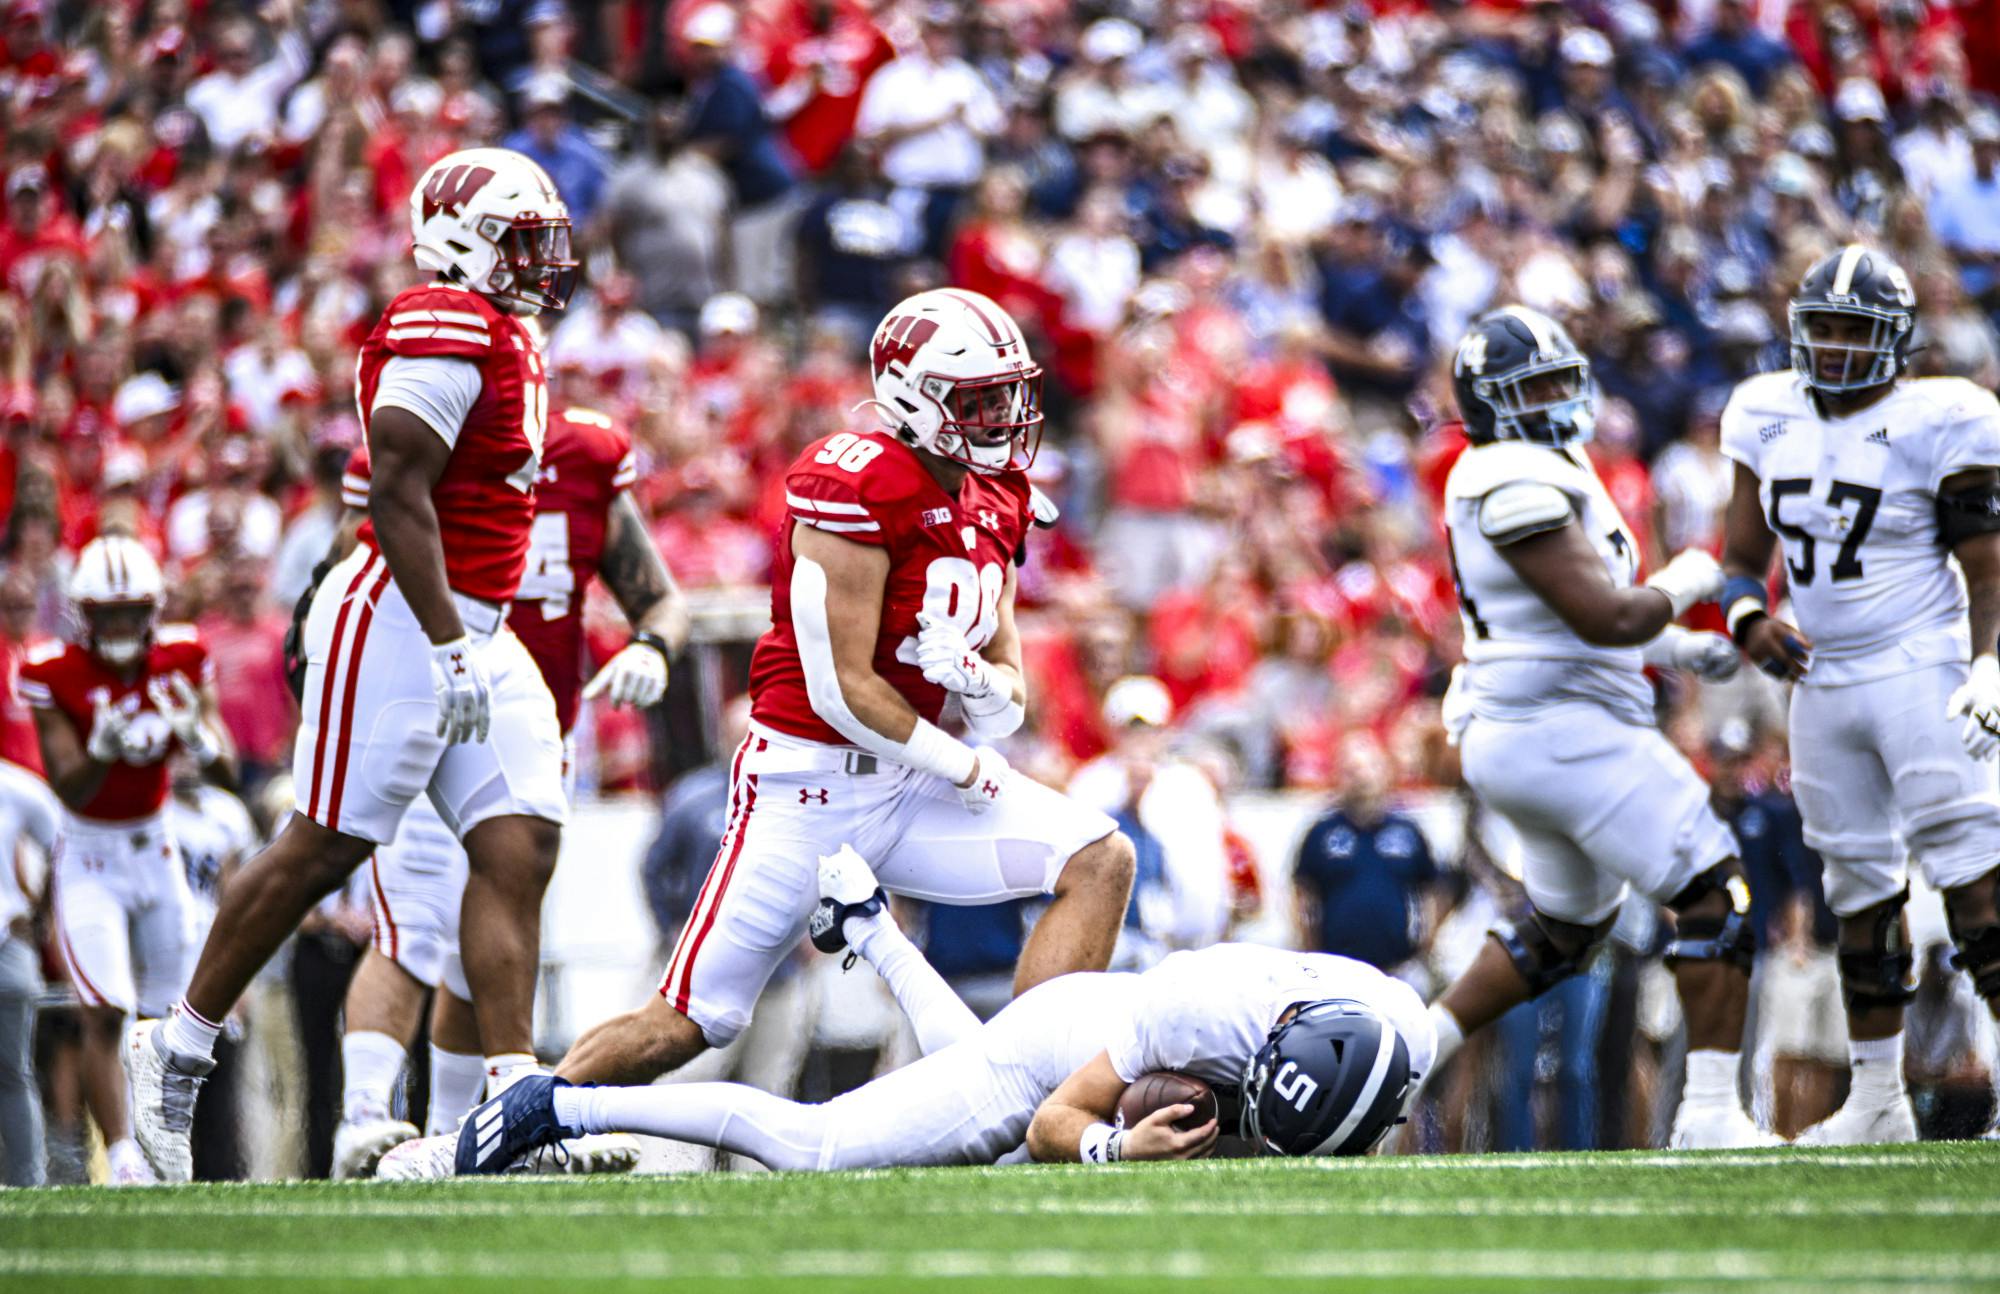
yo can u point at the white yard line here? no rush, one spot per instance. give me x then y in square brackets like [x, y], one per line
[1915, 1271]
[386, 1204]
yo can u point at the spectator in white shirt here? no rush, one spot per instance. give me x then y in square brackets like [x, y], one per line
[1102, 95]
[1692, 479]
[929, 113]
[1095, 268]
[1965, 211]
[605, 336]
[241, 97]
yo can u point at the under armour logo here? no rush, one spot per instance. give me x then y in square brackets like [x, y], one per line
[989, 518]
[989, 789]
[807, 797]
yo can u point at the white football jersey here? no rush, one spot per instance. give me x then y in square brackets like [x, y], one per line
[1208, 1012]
[1853, 502]
[1520, 656]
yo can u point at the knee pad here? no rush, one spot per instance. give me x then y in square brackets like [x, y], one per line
[1712, 919]
[1547, 951]
[1883, 973]
[1977, 939]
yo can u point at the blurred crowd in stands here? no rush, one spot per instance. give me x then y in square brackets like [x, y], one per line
[1242, 235]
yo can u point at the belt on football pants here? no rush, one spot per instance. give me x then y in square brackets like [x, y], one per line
[812, 759]
[479, 617]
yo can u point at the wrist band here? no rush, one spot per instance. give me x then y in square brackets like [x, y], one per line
[1100, 1144]
[1743, 598]
[205, 749]
[932, 750]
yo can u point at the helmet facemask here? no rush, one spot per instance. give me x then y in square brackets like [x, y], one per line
[991, 424]
[533, 269]
[119, 633]
[1851, 347]
[1551, 403]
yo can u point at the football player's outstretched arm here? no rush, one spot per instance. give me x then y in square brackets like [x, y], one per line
[1565, 572]
[407, 458]
[1775, 647]
[222, 770]
[73, 774]
[1073, 1124]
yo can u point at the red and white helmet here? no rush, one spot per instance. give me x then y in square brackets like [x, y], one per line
[953, 374]
[117, 590]
[492, 220]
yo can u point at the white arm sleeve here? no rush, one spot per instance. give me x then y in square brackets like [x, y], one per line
[436, 388]
[930, 749]
[1664, 651]
[1515, 511]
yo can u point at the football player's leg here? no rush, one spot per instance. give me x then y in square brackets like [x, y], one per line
[1948, 807]
[93, 935]
[505, 799]
[850, 904]
[1847, 804]
[750, 913]
[949, 1107]
[366, 745]
[1034, 841]
[458, 1066]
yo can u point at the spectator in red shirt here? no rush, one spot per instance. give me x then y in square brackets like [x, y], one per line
[36, 231]
[246, 640]
[818, 79]
[18, 743]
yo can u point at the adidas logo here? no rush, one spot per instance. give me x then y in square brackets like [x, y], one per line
[1880, 436]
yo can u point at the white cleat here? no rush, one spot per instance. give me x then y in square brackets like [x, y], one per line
[359, 1146]
[594, 1152]
[847, 889]
[163, 1096]
[1856, 1125]
[1718, 1127]
[129, 1167]
[424, 1159]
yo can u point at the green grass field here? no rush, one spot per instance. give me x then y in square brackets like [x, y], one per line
[1905, 1218]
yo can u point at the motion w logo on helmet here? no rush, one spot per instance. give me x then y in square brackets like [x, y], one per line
[897, 340]
[450, 190]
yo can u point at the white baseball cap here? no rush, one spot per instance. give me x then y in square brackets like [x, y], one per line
[1587, 46]
[1138, 698]
[728, 312]
[1860, 99]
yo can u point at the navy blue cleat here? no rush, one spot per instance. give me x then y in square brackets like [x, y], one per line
[847, 889]
[501, 1130]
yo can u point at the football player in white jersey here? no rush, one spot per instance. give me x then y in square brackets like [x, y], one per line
[1874, 482]
[1554, 717]
[1319, 1054]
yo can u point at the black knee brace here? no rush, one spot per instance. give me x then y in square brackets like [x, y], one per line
[1547, 951]
[1977, 940]
[1883, 973]
[1712, 919]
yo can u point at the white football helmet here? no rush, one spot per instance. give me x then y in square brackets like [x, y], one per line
[491, 219]
[953, 375]
[117, 590]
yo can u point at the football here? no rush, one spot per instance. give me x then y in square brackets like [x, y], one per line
[1163, 1087]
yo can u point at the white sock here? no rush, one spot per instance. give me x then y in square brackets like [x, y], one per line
[1877, 1066]
[1450, 1035]
[934, 1011]
[1711, 1077]
[457, 1082]
[779, 1134]
[502, 1070]
[187, 1033]
[120, 1153]
[371, 1063]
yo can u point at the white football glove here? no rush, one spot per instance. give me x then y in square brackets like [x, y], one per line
[180, 705]
[989, 781]
[106, 743]
[1692, 576]
[950, 662]
[1979, 701]
[464, 693]
[636, 676]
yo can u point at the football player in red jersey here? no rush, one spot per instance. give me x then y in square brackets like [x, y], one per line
[413, 684]
[893, 593]
[109, 710]
[587, 525]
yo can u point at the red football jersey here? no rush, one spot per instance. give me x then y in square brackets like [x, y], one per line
[67, 678]
[18, 742]
[485, 499]
[586, 461]
[947, 556]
